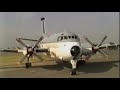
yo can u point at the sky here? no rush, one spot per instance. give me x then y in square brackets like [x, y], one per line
[94, 25]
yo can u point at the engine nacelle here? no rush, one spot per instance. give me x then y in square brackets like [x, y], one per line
[52, 52]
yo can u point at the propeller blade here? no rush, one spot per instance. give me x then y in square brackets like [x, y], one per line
[102, 41]
[21, 42]
[41, 38]
[103, 54]
[40, 58]
[23, 58]
[88, 41]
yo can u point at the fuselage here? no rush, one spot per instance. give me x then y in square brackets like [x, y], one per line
[64, 45]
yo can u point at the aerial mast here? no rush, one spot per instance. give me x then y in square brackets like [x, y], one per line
[42, 19]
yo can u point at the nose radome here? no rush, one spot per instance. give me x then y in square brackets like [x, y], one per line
[75, 51]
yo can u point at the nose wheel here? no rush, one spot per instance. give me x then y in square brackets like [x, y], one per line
[73, 63]
[73, 72]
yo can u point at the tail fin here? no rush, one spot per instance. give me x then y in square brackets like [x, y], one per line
[42, 19]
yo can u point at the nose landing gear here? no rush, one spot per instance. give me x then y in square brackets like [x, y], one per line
[73, 72]
[74, 64]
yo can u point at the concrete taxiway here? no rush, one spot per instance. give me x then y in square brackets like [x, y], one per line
[97, 67]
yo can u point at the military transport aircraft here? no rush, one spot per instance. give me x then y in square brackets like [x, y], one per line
[65, 46]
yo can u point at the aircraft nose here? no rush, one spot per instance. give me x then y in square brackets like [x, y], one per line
[75, 51]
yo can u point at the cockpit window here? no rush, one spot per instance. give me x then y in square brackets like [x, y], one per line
[72, 36]
[61, 37]
[75, 37]
[69, 37]
[65, 37]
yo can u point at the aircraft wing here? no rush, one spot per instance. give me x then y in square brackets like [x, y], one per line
[109, 46]
[11, 50]
[22, 50]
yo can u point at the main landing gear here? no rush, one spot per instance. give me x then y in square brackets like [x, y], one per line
[80, 62]
[28, 64]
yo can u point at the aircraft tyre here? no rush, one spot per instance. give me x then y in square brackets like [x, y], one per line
[73, 72]
[28, 65]
[81, 62]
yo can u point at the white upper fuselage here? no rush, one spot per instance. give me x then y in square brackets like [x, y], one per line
[60, 45]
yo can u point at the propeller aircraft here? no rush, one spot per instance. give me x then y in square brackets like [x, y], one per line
[65, 46]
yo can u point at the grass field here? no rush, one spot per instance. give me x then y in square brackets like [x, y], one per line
[98, 67]
[12, 59]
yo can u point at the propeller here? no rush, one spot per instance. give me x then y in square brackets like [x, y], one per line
[30, 49]
[102, 41]
[96, 47]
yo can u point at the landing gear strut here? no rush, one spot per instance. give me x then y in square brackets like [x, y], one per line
[74, 63]
[28, 64]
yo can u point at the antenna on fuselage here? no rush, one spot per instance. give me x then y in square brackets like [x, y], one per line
[42, 19]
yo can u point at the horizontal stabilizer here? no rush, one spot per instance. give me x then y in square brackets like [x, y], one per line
[9, 50]
[28, 39]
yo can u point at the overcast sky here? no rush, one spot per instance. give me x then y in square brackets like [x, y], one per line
[28, 25]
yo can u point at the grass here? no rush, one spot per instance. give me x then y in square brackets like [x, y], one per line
[13, 58]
